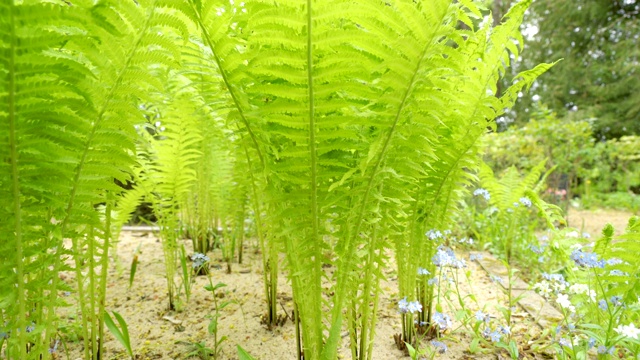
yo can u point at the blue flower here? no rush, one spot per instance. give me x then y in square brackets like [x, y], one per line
[414, 307]
[604, 350]
[616, 272]
[442, 320]
[482, 192]
[558, 278]
[616, 301]
[432, 281]
[495, 336]
[505, 329]
[602, 304]
[537, 249]
[480, 316]
[591, 343]
[445, 257]
[403, 306]
[614, 261]
[53, 349]
[440, 346]
[423, 271]
[525, 201]
[434, 234]
[474, 257]
[199, 260]
[586, 260]
[564, 342]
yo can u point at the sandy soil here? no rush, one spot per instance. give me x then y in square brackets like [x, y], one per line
[592, 221]
[155, 331]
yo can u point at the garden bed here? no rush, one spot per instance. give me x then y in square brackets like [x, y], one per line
[157, 333]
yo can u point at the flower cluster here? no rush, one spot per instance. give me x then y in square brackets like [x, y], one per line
[405, 306]
[199, 260]
[445, 257]
[482, 192]
[552, 283]
[525, 201]
[442, 320]
[440, 346]
[474, 257]
[565, 303]
[496, 335]
[480, 316]
[469, 241]
[434, 234]
[629, 331]
[537, 249]
[586, 260]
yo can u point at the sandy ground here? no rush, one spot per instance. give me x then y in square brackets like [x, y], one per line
[592, 221]
[156, 332]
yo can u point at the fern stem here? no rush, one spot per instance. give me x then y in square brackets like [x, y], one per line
[370, 279]
[269, 262]
[81, 298]
[92, 294]
[317, 311]
[15, 187]
[103, 273]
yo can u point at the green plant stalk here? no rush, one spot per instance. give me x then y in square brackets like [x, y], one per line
[353, 323]
[269, 255]
[169, 248]
[15, 187]
[103, 273]
[365, 312]
[92, 295]
[186, 282]
[81, 297]
[239, 230]
[296, 316]
[273, 280]
[317, 268]
[376, 303]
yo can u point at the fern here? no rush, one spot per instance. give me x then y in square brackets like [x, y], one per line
[507, 191]
[68, 106]
[625, 247]
[357, 123]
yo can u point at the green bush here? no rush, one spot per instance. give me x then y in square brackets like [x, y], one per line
[585, 168]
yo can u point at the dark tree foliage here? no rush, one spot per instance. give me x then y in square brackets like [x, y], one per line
[598, 78]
